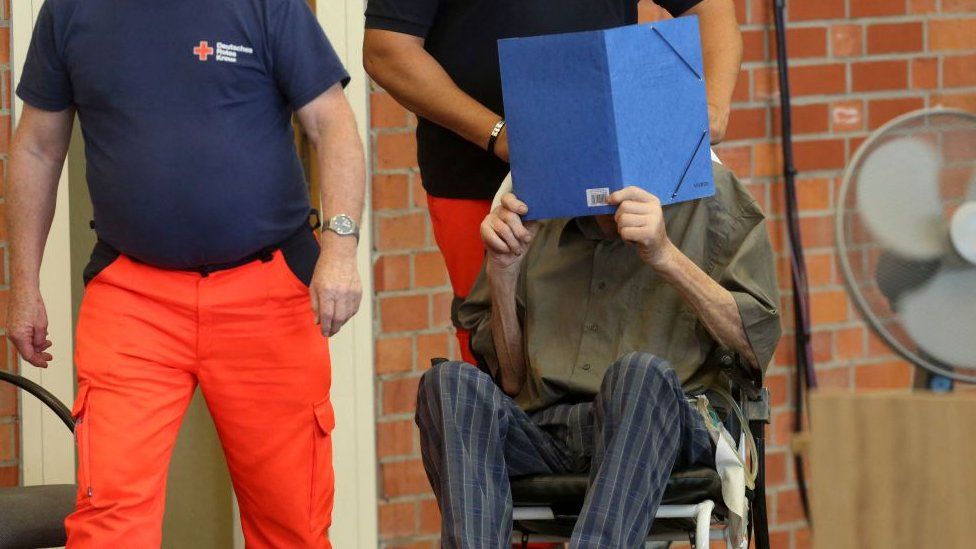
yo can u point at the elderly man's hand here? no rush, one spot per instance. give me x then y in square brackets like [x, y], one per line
[506, 238]
[640, 221]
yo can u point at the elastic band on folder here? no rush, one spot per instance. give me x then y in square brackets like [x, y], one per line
[678, 53]
[688, 165]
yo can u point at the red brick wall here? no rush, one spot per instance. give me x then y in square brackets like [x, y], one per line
[854, 65]
[412, 306]
[9, 429]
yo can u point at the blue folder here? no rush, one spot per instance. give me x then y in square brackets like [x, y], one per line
[589, 113]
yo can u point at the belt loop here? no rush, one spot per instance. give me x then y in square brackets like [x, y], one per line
[318, 218]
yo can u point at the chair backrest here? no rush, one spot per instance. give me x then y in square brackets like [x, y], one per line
[42, 394]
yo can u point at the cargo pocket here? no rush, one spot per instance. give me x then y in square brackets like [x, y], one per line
[323, 480]
[82, 416]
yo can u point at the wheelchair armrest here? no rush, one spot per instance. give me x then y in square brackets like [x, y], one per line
[746, 381]
[757, 409]
[744, 378]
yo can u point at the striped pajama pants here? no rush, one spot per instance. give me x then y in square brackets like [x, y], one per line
[474, 438]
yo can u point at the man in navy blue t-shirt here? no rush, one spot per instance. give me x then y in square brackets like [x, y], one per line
[206, 269]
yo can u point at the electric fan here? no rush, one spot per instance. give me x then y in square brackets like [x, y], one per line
[906, 238]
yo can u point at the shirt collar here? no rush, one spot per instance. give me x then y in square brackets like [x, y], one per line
[583, 226]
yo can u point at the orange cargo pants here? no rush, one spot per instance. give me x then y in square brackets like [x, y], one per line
[146, 338]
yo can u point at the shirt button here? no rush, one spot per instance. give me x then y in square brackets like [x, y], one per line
[586, 366]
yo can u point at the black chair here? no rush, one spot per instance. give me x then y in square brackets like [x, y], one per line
[546, 507]
[33, 516]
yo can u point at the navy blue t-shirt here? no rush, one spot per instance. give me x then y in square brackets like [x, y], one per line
[186, 111]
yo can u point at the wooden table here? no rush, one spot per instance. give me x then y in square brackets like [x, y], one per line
[893, 470]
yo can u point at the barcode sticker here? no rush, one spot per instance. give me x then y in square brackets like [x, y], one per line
[597, 197]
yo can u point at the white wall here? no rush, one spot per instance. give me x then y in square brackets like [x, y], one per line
[47, 446]
[354, 523]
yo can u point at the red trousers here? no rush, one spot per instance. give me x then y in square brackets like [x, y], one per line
[145, 340]
[457, 230]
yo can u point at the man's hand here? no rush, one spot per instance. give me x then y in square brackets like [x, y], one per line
[27, 327]
[330, 125]
[506, 238]
[718, 122]
[336, 289]
[640, 221]
[37, 154]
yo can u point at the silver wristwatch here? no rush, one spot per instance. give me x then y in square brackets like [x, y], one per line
[343, 225]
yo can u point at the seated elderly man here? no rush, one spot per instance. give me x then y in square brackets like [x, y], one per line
[591, 331]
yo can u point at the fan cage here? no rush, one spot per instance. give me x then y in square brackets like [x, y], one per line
[848, 224]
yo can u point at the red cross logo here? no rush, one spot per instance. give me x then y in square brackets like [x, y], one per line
[203, 51]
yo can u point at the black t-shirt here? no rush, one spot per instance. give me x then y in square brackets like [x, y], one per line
[462, 35]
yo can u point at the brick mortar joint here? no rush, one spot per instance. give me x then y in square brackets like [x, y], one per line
[415, 291]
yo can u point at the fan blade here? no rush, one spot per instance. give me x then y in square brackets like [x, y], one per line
[941, 316]
[898, 197]
[896, 275]
[963, 231]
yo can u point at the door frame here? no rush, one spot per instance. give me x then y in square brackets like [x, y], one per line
[47, 448]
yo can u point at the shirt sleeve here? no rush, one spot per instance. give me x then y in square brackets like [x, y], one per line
[744, 265]
[405, 16]
[45, 82]
[303, 61]
[677, 7]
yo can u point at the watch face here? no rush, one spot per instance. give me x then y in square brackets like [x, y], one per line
[343, 224]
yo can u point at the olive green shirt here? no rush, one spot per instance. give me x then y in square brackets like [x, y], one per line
[584, 299]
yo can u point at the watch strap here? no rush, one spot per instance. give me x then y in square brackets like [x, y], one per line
[493, 137]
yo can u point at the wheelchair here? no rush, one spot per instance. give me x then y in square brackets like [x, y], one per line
[33, 516]
[546, 507]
